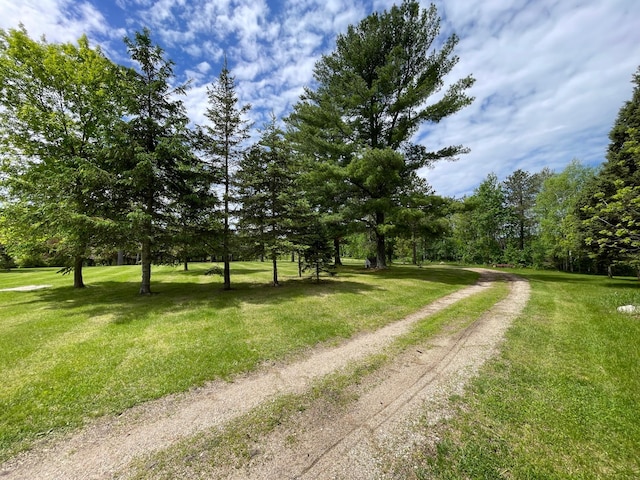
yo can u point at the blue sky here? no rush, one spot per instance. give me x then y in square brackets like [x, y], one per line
[550, 75]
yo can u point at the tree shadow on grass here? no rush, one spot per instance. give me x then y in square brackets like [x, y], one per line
[121, 301]
[235, 270]
[438, 274]
[578, 278]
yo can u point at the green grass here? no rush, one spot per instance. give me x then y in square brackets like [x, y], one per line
[563, 399]
[69, 355]
[235, 443]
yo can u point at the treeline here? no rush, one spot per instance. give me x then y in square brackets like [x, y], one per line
[101, 162]
[525, 220]
[581, 219]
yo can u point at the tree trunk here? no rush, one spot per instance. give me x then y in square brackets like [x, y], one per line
[227, 274]
[145, 261]
[145, 250]
[609, 271]
[77, 272]
[293, 257]
[570, 262]
[381, 254]
[120, 257]
[275, 272]
[414, 249]
[336, 251]
[225, 255]
[186, 265]
[225, 233]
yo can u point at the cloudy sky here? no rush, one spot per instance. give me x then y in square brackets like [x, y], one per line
[551, 75]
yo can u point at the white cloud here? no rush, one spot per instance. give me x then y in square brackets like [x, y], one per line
[551, 75]
[58, 20]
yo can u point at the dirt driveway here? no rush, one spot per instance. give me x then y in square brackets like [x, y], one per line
[357, 442]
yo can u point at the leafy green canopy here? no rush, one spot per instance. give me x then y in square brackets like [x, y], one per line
[58, 101]
[555, 208]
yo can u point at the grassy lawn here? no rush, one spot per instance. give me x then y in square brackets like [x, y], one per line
[202, 455]
[563, 399]
[69, 355]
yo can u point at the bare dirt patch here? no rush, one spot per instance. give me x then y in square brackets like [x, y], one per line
[25, 288]
[356, 442]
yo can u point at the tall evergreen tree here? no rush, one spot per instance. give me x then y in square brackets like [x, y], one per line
[223, 144]
[154, 147]
[372, 96]
[520, 190]
[610, 207]
[58, 103]
[317, 251]
[269, 196]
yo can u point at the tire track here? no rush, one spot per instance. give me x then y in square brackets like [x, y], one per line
[377, 431]
[109, 445]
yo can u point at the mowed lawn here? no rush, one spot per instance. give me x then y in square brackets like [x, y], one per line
[70, 355]
[561, 401]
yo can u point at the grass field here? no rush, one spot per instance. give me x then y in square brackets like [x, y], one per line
[563, 399]
[70, 355]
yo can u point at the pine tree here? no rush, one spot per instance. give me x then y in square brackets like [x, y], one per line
[610, 208]
[520, 190]
[223, 143]
[372, 96]
[154, 148]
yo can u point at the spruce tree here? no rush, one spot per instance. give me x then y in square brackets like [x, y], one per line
[223, 141]
[317, 248]
[154, 148]
[269, 197]
[610, 208]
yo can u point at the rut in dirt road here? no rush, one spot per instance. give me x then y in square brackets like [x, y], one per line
[377, 431]
[109, 445]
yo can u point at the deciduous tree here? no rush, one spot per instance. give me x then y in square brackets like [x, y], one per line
[555, 208]
[57, 103]
[480, 230]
